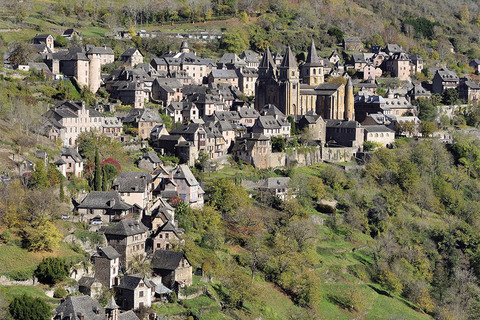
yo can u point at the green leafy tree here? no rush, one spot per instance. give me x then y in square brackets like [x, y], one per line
[21, 53]
[235, 40]
[224, 195]
[52, 270]
[336, 33]
[39, 175]
[26, 307]
[278, 144]
[450, 96]
[427, 128]
[109, 172]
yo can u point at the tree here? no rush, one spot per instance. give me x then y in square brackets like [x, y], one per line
[450, 96]
[109, 172]
[41, 236]
[52, 270]
[235, 41]
[427, 128]
[20, 54]
[27, 307]
[278, 144]
[39, 175]
[140, 264]
[224, 195]
[97, 180]
[337, 33]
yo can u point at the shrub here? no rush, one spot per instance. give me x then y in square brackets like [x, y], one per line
[60, 292]
[52, 270]
[26, 307]
[20, 275]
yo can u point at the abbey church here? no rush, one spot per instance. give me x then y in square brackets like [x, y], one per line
[297, 92]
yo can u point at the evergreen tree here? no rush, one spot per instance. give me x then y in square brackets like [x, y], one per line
[52, 270]
[26, 307]
[97, 180]
[104, 180]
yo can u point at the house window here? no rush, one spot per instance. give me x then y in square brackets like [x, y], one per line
[140, 294]
[158, 245]
[166, 236]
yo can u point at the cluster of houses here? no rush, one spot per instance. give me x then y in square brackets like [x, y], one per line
[138, 225]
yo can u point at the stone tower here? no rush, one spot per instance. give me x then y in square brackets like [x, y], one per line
[184, 47]
[349, 101]
[111, 309]
[94, 73]
[266, 87]
[289, 84]
[312, 70]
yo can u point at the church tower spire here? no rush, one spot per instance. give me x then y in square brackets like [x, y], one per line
[289, 84]
[312, 69]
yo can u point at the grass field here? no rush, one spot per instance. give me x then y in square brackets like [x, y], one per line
[15, 258]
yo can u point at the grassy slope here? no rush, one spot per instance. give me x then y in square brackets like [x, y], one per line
[339, 262]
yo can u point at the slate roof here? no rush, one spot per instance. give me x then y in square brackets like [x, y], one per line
[142, 115]
[351, 39]
[104, 200]
[132, 181]
[267, 60]
[224, 74]
[85, 305]
[379, 128]
[313, 60]
[129, 52]
[333, 123]
[267, 122]
[42, 36]
[249, 56]
[166, 260]
[182, 171]
[111, 305]
[130, 282]
[99, 50]
[152, 155]
[108, 252]
[128, 227]
[289, 60]
[86, 281]
[128, 315]
[71, 152]
[271, 110]
[277, 183]
[246, 112]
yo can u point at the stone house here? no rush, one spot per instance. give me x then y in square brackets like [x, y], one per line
[46, 39]
[223, 76]
[167, 90]
[251, 59]
[107, 265]
[352, 43]
[71, 34]
[144, 120]
[66, 120]
[173, 267]
[380, 134]
[135, 291]
[103, 54]
[278, 187]
[131, 57]
[399, 65]
[344, 133]
[134, 188]
[315, 126]
[469, 90]
[444, 79]
[166, 236]
[416, 63]
[128, 238]
[83, 307]
[70, 162]
[112, 126]
[149, 161]
[246, 80]
[253, 148]
[248, 116]
[418, 92]
[90, 286]
[107, 205]
[188, 187]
